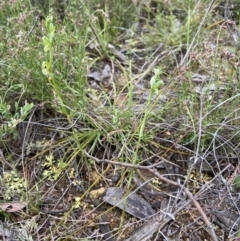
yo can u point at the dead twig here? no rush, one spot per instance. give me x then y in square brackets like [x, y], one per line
[152, 169]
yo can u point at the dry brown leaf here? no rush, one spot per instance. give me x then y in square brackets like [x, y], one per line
[96, 193]
[12, 207]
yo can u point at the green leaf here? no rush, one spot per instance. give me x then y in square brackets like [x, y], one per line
[47, 43]
[155, 81]
[49, 19]
[24, 111]
[51, 28]
[236, 181]
[46, 68]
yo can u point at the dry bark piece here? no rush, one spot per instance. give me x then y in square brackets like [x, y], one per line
[100, 76]
[145, 231]
[119, 55]
[226, 213]
[104, 228]
[132, 203]
[157, 222]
